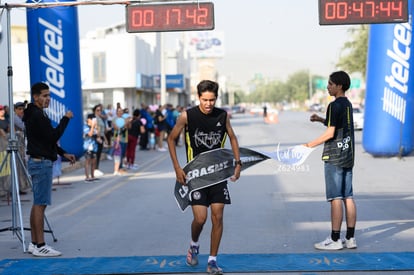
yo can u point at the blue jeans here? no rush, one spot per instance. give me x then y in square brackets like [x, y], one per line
[338, 182]
[123, 152]
[41, 172]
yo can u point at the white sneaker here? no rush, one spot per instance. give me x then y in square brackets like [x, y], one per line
[329, 244]
[109, 157]
[46, 251]
[351, 243]
[98, 173]
[31, 248]
[161, 149]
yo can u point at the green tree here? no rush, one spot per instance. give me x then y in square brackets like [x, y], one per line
[298, 86]
[239, 96]
[354, 52]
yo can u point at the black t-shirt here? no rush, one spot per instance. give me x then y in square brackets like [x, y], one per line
[337, 113]
[159, 120]
[135, 129]
[4, 124]
[340, 149]
[42, 137]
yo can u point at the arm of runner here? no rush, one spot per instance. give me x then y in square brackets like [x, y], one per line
[235, 147]
[175, 132]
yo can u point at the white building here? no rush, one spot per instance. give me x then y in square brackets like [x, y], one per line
[121, 67]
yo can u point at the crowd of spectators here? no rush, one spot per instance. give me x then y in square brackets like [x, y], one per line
[123, 132]
[117, 133]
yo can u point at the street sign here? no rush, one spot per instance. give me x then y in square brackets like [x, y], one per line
[322, 83]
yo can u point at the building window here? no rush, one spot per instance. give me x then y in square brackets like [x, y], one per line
[99, 67]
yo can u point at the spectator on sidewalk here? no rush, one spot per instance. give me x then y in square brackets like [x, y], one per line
[110, 115]
[18, 115]
[117, 151]
[161, 124]
[133, 134]
[4, 130]
[100, 135]
[90, 146]
[24, 182]
[4, 122]
[43, 149]
[4, 135]
[149, 127]
[121, 125]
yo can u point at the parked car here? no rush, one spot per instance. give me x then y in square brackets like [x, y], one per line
[358, 115]
[228, 110]
[237, 109]
[316, 107]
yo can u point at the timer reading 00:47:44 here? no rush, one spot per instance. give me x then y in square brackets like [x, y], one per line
[170, 17]
[337, 12]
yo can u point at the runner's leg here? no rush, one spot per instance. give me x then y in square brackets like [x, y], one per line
[217, 210]
[199, 219]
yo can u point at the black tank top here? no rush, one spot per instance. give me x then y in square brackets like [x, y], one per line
[204, 132]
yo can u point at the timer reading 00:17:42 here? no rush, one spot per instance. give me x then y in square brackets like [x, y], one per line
[170, 17]
[337, 12]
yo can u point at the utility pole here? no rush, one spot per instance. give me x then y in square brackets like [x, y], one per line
[310, 86]
[163, 84]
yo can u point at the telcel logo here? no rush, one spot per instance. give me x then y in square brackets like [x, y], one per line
[393, 103]
[52, 56]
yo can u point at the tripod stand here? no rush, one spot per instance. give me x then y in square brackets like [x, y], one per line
[12, 152]
[16, 205]
[17, 221]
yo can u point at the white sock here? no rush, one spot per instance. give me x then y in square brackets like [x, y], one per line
[192, 243]
[212, 258]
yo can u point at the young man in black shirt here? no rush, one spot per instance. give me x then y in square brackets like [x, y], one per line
[338, 155]
[42, 150]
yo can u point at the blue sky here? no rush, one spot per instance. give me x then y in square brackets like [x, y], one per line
[273, 38]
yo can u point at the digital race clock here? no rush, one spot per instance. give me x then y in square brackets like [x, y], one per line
[170, 17]
[336, 12]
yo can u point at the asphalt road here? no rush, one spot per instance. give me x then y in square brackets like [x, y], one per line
[275, 209]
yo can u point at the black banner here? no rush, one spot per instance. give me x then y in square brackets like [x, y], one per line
[210, 168]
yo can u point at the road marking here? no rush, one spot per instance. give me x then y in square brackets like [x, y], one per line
[118, 185]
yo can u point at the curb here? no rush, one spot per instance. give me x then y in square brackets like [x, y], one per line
[67, 167]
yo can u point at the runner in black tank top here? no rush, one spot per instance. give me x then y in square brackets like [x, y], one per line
[206, 128]
[204, 132]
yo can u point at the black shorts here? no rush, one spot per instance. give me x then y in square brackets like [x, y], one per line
[218, 193]
[90, 155]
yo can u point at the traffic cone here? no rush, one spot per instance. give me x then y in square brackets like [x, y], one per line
[271, 119]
